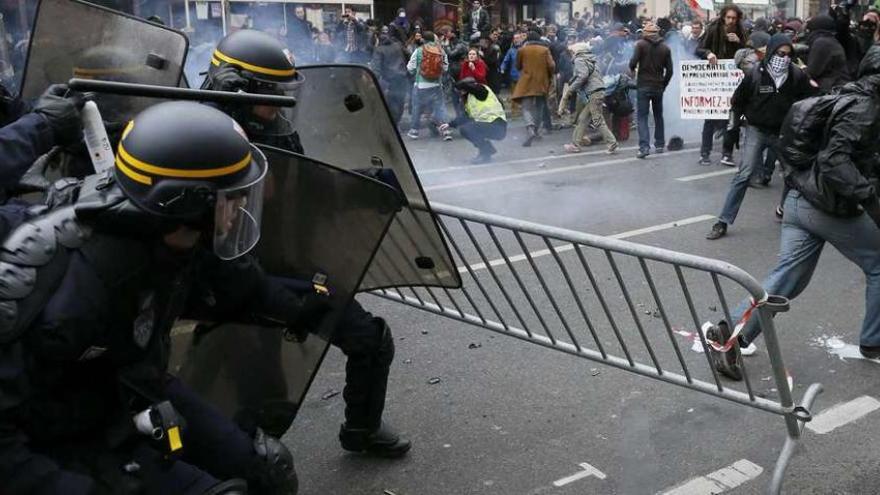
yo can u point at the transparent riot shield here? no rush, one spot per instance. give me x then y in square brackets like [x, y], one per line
[71, 38]
[317, 219]
[342, 118]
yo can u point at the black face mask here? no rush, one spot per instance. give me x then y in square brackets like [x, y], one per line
[867, 28]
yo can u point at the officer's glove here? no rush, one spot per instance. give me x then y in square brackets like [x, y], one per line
[61, 107]
[307, 314]
[230, 79]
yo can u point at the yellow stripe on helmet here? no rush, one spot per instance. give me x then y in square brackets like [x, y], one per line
[251, 67]
[143, 179]
[185, 174]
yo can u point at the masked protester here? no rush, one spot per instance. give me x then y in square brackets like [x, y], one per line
[826, 62]
[137, 250]
[653, 59]
[252, 60]
[484, 121]
[833, 200]
[746, 60]
[764, 97]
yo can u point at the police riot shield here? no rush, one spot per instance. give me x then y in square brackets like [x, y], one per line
[342, 118]
[71, 38]
[321, 227]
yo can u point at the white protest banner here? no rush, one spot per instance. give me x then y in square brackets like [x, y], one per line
[706, 88]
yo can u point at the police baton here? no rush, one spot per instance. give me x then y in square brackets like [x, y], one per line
[173, 93]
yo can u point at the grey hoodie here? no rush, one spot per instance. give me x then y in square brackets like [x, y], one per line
[586, 74]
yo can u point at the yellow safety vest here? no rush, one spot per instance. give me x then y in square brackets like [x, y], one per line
[487, 110]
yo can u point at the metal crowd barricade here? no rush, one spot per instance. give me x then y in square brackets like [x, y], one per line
[607, 300]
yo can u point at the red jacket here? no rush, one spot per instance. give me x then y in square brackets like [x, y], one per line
[479, 72]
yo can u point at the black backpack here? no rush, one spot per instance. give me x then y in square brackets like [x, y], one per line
[804, 131]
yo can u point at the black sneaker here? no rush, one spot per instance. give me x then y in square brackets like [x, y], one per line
[705, 161]
[726, 363]
[870, 351]
[381, 442]
[718, 231]
[727, 161]
[642, 154]
[659, 150]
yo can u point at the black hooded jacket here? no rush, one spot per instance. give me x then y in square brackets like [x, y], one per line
[843, 179]
[757, 97]
[388, 60]
[654, 61]
[826, 64]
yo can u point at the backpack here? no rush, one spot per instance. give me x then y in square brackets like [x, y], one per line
[431, 64]
[803, 131]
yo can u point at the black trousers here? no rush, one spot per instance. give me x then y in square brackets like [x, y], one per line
[479, 133]
[368, 346]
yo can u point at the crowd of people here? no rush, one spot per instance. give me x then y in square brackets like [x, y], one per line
[590, 75]
[591, 71]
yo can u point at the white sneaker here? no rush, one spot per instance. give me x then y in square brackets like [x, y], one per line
[749, 351]
[412, 134]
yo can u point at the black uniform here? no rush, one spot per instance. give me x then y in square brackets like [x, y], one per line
[98, 352]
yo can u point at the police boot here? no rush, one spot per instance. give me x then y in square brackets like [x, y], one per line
[366, 380]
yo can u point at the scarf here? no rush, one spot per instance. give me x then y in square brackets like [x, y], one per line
[778, 68]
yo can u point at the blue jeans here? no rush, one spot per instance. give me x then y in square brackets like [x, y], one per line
[805, 230]
[650, 99]
[755, 142]
[431, 98]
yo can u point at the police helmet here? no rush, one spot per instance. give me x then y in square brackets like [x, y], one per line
[191, 164]
[263, 60]
[268, 68]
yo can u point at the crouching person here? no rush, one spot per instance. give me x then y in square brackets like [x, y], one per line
[485, 119]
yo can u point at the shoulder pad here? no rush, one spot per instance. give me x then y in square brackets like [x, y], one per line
[32, 265]
[34, 242]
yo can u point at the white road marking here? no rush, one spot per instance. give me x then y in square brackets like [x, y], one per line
[691, 178]
[738, 473]
[534, 173]
[568, 247]
[586, 473]
[519, 161]
[836, 416]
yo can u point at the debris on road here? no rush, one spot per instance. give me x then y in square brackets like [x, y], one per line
[407, 361]
[424, 332]
[594, 372]
[330, 394]
[434, 381]
[476, 345]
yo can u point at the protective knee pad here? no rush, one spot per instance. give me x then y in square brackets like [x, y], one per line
[272, 472]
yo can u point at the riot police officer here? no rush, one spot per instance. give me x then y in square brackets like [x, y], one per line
[255, 62]
[89, 295]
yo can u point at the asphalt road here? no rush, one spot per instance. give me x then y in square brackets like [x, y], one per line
[510, 417]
